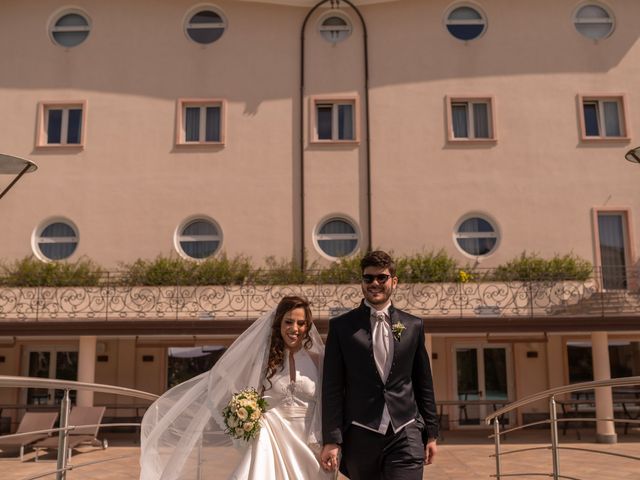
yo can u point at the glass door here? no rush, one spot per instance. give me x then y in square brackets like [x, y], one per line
[613, 251]
[482, 373]
[50, 362]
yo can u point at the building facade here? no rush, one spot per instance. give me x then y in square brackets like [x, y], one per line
[292, 129]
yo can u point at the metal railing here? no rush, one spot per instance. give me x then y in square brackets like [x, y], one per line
[62, 461]
[482, 292]
[553, 421]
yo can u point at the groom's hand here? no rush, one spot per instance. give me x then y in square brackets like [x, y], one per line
[430, 450]
[329, 457]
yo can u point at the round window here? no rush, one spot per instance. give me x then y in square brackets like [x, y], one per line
[56, 240]
[466, 23]
[335, 28]
[337, 237]
[199, 238]
[593, 21]
[205, 26]
[70, 29]
[476, 236]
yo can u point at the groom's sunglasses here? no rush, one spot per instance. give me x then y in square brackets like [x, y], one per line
[381, 278]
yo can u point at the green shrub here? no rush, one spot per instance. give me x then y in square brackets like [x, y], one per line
[342, 271]
[279, 272]
[531, 267]
[427, 267]
[31, 272]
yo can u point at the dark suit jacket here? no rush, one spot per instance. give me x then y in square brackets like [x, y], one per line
[352, 389]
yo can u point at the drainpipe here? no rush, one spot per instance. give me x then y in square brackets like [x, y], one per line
[334, 4]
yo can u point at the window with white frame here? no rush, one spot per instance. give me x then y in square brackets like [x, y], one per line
[70, 29]
[335, 120]
[603, 118]
[470, 119]
[199, 238]
[476, 235]
[201, 122]
[465, 22]
[335, 27]
[337, 237]
[56, 240]
[205, 26]
[62, 124]
[594, 21]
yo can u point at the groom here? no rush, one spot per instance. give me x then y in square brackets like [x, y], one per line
[377, 392]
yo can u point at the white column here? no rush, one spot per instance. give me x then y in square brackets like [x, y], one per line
[605, 432]
[86, 369]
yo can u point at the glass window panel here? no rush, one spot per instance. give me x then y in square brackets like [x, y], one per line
[192, 124]
[70, 39]
[591, 125]
[476, 224]
[54, 126]
[66, 369]
[338, 248]
[611, 119]
[465, 32]
[594, 31]
[200, 228]
[206, 16]
[580, 363]
[324, 122]
[75, 124]
[39, 365]
[495, 373]
[624, 359]
[72, 20]
[345, 122]
[210, 27]
[58, 229]
[212, 133]
[57, 251]
[199, 248]
[481, 120]
[459, 119]
[205, 35]
[465, 13]
[612, 251]
[592, 12]
[336, 227]
[181, 369]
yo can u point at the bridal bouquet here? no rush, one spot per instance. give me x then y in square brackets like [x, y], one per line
[243, 413]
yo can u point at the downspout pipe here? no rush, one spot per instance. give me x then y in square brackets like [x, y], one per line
[334, 3]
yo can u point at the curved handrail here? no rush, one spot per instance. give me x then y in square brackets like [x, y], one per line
[575, 387]
[26, 382]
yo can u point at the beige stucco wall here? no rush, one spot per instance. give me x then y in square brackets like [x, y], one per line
[130, 187]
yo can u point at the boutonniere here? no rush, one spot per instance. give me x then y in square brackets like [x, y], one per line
[397, 329]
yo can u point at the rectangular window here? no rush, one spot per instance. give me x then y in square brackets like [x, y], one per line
[603, 118]
[334, 120]
[200, 122]
[61, 125]
[470, 119]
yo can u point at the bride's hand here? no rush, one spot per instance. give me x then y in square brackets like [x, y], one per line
[329, 457]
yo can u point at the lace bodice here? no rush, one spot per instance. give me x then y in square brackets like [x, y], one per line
[298, 393]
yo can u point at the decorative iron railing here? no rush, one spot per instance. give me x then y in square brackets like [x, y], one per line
[112, 301]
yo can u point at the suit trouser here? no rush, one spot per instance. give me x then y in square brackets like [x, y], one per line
[368, 455]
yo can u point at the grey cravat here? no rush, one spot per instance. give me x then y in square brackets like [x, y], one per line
[381, 343]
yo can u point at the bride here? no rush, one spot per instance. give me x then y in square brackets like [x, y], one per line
[280, 355]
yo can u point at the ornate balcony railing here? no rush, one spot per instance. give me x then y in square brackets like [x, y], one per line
[518, 298]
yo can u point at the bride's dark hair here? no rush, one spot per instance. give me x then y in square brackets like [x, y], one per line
[276, 350]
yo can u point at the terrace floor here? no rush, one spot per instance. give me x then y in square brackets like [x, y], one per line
[461, 456]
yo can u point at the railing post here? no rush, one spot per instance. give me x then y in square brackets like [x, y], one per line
[62, 438]
[555, 454]
[496, 433]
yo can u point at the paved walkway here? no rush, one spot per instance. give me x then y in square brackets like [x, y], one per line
[461, 456]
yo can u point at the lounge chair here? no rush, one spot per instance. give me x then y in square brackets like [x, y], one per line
[31, 422]
[91, 416]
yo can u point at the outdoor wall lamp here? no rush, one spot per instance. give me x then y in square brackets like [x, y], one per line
[10, 165]
[633, 155]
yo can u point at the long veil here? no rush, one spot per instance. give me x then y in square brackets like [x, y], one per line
[178, 424]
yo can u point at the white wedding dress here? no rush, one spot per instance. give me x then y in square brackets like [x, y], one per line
[183, 430]
[281, 450]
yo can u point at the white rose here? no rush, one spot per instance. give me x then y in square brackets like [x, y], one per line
[248, 426]
[242, 414]
[232, 422]
[239, 432]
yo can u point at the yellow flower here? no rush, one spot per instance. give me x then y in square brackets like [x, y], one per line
[255, 415]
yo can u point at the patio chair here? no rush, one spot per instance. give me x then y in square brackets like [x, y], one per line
[91, 416]
[31, 422]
